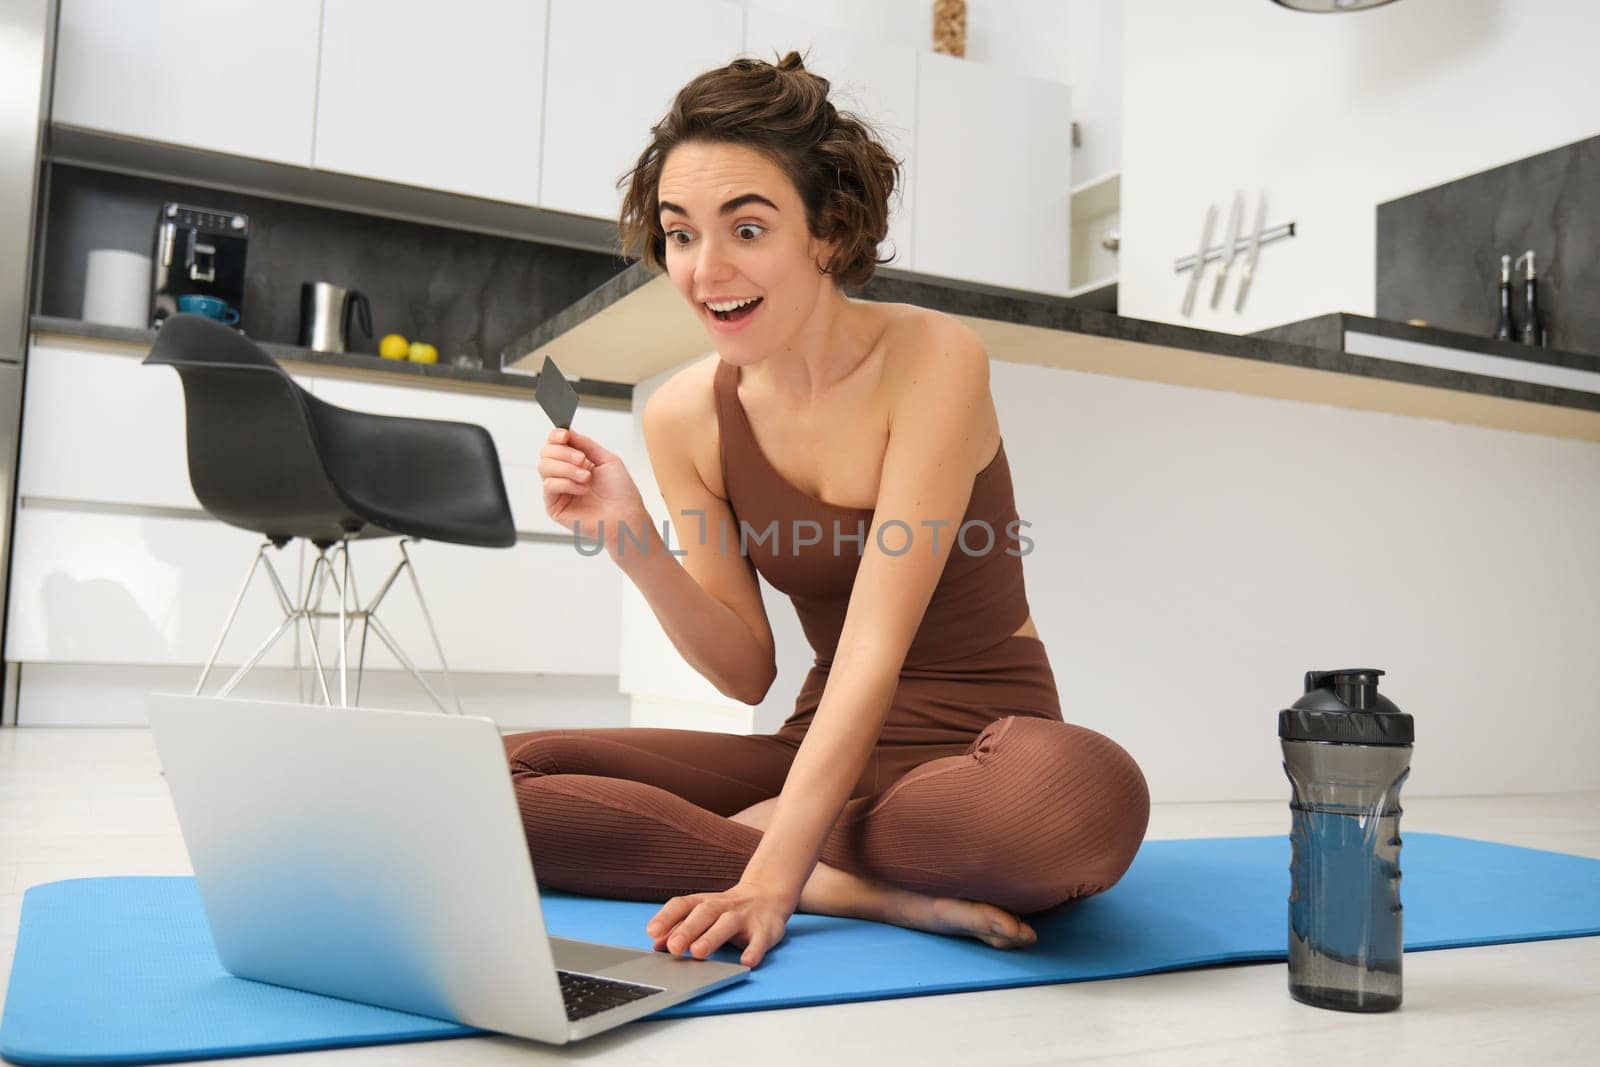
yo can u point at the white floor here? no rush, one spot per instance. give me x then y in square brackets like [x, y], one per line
[87, 802]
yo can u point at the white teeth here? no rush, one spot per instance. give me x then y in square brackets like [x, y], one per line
[730, 305]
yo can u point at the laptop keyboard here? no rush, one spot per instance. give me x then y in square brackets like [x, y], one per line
[587, 995]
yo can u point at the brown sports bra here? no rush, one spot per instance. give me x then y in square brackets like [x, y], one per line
[790, 536]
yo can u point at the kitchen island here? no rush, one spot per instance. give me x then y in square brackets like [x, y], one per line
[636, 325]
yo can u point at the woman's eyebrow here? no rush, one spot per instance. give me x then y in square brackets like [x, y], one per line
[732, 205]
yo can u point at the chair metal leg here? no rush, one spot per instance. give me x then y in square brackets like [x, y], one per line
[370, 621]
[310, 598]
[361, 658]
[289, 616]
[232, 614]
[309, 611]
[384, 589]
[344, 633]
[317, 568]
[271, 640]
[355, 614]
[348, 614]
[411, 572]
[383, 635]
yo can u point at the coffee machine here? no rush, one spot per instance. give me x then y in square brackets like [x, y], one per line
[198, 250]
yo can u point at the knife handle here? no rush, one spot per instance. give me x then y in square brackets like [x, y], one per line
[1200, 259]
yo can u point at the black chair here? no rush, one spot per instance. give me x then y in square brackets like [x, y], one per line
[267, 456]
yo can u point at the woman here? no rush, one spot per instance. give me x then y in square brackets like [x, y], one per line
[849, 452]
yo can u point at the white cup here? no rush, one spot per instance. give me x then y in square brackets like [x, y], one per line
[116, 288]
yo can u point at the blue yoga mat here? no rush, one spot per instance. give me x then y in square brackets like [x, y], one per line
[122, 970]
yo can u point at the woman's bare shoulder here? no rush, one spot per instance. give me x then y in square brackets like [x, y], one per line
[933, 360]
[915, 337]
[680, 417]
[910, 331]
[687, 393]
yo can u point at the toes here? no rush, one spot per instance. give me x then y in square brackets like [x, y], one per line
[1021, 936]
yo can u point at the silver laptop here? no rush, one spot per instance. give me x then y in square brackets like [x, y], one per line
[379, 856]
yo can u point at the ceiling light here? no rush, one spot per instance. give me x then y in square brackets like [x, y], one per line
[1330, 7]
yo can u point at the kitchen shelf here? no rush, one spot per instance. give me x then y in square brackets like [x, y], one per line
[1098, 196]
[1100, 295]
[1096, 212]
[1095, 287]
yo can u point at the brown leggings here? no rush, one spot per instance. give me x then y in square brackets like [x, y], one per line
[1030, 813]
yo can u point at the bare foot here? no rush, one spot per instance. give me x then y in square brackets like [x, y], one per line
[833, 892]
[949, 915]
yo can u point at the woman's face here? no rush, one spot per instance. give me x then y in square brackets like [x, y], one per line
[736, 234]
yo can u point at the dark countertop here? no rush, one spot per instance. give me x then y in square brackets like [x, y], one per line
[1327, 331]
[369, 367]
[1019, 325]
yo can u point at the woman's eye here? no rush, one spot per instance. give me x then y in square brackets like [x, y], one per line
[673, 235]
[746, 226]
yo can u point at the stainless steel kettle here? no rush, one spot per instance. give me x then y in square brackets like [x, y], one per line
[325, 311]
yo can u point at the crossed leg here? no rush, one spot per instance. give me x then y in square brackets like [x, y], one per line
[1035, 812]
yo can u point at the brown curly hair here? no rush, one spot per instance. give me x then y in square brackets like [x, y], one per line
[836, 160]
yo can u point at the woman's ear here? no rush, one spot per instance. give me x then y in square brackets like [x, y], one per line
[822, 251]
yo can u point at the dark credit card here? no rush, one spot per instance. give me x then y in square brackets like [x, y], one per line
[555, 394]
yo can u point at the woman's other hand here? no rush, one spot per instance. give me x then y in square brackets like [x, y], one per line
[585, 484]
[747, 914]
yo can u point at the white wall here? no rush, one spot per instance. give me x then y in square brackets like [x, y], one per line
[1198, 551]
[1332, 115]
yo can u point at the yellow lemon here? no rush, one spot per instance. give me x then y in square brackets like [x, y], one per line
[422, 352]
[394, 346]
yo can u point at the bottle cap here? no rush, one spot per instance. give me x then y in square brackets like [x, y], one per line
[1345, 707]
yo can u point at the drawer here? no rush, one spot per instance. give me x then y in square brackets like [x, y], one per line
[92, 587]
[101, 426]
[534, 608]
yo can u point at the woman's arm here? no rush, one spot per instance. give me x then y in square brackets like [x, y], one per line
[942, 430]
[707, 600]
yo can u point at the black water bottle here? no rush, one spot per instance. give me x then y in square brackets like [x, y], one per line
[1347, 752]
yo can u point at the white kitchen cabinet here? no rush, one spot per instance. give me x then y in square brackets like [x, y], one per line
[876, 81]
[102, 587]
[99, 426]
[444, 96]
[519, 429]
[613, 68]
[994, 176]
[237, 77]
[103, 427]
[534, 608]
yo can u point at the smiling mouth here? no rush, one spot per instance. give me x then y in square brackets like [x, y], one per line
[737, 313]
